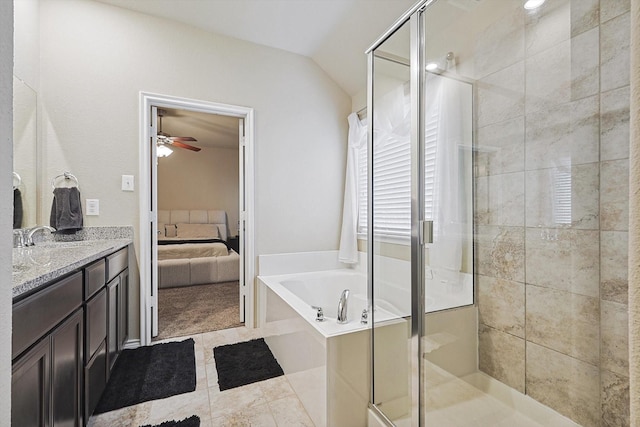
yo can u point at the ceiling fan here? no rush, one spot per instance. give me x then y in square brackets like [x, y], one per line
[165, 139]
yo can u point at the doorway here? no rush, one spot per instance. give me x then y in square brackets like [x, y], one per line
[233, 224]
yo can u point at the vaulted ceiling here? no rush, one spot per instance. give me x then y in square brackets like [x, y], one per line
[334, 33]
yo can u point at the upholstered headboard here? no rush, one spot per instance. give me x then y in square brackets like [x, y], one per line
[194, 216]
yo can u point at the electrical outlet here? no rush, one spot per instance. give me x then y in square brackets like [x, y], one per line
[93, 206]
[127, 183]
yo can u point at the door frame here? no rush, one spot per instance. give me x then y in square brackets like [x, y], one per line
[148, 216]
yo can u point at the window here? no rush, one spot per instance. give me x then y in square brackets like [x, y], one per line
[392, 183]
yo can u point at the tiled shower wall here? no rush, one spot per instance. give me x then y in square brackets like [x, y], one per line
[552, 205]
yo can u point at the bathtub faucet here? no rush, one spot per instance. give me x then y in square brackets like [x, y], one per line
[342, 306]
[319, 313]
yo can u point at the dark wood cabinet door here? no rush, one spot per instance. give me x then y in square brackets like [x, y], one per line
[67, 367]
[113, 296]
[123, 310]
[31, 387]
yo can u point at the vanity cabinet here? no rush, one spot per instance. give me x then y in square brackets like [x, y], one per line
[47, 380]
[62, 349]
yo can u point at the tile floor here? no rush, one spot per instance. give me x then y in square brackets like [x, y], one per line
[451, 402]
[267, 403]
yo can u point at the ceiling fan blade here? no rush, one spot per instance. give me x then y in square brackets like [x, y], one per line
[183, 145]
[182, 138]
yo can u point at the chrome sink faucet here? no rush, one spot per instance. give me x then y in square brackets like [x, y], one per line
[28, 240]
[342, 306]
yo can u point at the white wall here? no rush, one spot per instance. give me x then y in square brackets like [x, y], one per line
[207, 179]
[96, 58]
[27, 42]
[6, 211]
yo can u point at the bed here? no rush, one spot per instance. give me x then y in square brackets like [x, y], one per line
[193, 248]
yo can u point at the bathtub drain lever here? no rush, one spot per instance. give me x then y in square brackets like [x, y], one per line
[319, 313]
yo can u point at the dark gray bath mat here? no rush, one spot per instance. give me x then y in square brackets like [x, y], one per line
[192, 421]
[149, 373]
[245, 363]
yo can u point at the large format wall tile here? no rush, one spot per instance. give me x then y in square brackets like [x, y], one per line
[611, 8]
[563, 135]
[501, 304]
[568, 385]
[614, 259]
[614, 334]
[585, 15]
[563, 197]
[547, 26]
[585, 64]
[614, 195]
[500, 199]
[501, 44]
[548, 78]
[614, 52]
[500, 252]
[614, 124]
[501, 95]
[615, 400]
[563, 259]
[502, 356]
[565, 322]
[500, 147]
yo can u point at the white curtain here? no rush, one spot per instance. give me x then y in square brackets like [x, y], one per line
[445, 106]
[348, 252]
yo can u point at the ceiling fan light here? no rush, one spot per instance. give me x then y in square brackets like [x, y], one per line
[533, 4]
[163, 151]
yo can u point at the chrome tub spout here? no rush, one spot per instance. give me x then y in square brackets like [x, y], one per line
[342, 306]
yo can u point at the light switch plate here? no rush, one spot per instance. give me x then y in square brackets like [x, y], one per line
[93, 206]
[127, 183]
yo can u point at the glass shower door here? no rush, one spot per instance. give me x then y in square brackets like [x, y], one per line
[448, 350]
[389, 244]
[421, 256]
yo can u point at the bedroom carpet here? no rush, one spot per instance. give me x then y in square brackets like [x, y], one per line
[196, 309]
[245, 363]
[149, 373]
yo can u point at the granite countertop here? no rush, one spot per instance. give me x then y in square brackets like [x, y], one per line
[38, 265]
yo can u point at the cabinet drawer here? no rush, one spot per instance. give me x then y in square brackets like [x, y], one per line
[116, 263]
[94, 278]
[37, 314]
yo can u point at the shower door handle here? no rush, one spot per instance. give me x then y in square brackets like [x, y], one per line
[426, 232]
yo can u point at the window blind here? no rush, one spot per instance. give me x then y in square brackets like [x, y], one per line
[392, 183]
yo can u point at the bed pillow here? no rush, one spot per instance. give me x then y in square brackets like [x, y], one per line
[190, 231]
[170, 230]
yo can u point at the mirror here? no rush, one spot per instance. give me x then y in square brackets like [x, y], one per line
[25, 137]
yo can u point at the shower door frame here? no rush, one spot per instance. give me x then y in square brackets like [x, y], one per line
[417, 65]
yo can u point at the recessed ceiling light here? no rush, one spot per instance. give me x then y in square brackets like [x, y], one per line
[533, 4]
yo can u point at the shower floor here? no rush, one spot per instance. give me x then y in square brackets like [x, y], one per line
[453, 402]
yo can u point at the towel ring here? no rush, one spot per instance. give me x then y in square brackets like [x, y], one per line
[16, 177]
[66, 175]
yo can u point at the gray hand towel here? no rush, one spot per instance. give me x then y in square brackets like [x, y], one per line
[66, 210]
[17, 208]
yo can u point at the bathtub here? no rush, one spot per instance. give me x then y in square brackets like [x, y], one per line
[328, 364]
[303, 291]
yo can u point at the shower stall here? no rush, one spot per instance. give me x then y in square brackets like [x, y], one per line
[496, 214]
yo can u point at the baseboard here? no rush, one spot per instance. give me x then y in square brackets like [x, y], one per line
[131, 344]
